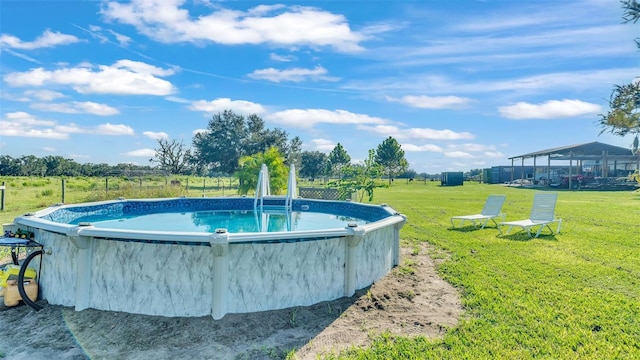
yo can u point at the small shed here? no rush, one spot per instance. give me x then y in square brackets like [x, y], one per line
[452, 179]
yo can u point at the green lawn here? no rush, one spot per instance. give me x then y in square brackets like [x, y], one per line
[575, 295]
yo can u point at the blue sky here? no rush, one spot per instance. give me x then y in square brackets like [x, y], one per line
[460, 84]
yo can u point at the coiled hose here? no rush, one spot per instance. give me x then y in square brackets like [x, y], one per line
[23, 293]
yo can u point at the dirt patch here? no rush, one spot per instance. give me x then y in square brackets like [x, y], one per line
[411, 300]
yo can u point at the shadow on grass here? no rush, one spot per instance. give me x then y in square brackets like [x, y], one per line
[470, 228]
[523, 236]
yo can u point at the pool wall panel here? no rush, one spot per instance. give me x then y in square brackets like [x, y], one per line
[277, 276]
[58, 273]
[374, 256]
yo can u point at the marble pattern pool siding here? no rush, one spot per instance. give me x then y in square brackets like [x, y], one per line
[176, 280]
[277, 276]
[212, 275]
[58, 271]
[375, 256]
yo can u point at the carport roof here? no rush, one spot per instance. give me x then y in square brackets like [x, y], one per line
[587, 149]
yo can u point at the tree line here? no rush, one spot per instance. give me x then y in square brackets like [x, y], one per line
[234, 144]
[231, 145]
[30, 165]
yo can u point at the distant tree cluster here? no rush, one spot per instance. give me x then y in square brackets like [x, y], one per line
[237, 145]
[230, 136]
[59, 166]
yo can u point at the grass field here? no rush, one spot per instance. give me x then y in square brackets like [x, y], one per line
[575, 295]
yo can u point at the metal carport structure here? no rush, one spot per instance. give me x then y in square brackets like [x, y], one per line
[605, 153]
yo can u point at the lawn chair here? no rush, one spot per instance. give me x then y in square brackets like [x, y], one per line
[542, 215]
[491, 210]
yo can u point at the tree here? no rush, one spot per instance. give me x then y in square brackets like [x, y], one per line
[30, 165]
[230, 136]
[338, 158]
[409, 174]
[390, 157]
[359, 178]
[220, 145]
[293, 152]
[314, 164]
[249, 169]
[624, 104]
[172, 156]
[9, 166]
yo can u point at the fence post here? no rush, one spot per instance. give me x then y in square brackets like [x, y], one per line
[106, 185]
[63, 181]
[2, 196]
[204, 181]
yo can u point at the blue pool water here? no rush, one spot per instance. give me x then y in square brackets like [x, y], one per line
[234, 221]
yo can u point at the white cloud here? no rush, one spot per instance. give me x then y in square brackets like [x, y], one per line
[114, 129]
[549, 109]
[125, 77]
[300, 118]
[431, 102]
[155, 135]
[46, 40]
[71, 128]
[142, 68]
[26, 125]
[44, 95]
[148, 153]
[79, 156]
[177, 99]
[222, 104]
[19, 55]
[417, 133]
[198, 131]
[49, 149]
[322, 145]
[434, 84]
[421, 148]
[27, 119]
[166, 22]
[8, 130]
[282, 58]
[493, 154]
[123, 40]
[471, 150]
[293, 75]
[77, 107]
[472, 147]
[458, 154]
[22, 124]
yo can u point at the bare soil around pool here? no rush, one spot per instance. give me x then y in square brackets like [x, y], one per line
[412, 300]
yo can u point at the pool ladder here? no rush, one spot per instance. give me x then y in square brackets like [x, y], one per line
[263, 189]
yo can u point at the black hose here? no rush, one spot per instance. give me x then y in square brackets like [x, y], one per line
[14, 256]
[23, 293]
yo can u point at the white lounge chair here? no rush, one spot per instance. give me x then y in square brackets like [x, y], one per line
[542, 215]
[491, 210]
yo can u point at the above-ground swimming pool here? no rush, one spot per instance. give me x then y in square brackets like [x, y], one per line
[210, 256]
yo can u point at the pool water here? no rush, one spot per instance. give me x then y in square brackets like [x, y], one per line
[234, 221]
